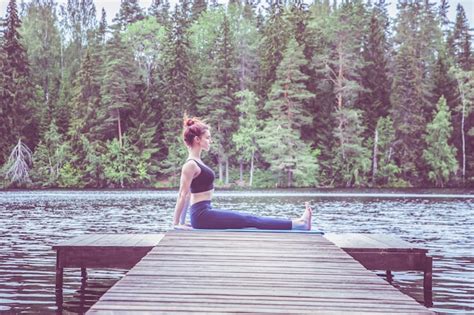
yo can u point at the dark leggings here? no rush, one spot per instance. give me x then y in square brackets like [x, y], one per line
[203, 216]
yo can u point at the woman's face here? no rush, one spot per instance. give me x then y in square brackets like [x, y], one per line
[205, 141]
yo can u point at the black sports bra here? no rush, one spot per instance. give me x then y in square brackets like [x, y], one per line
[204, 181]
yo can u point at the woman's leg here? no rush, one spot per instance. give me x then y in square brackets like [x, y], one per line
[223, 219]
[208, 218]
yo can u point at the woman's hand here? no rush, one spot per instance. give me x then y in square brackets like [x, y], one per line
[183, 227]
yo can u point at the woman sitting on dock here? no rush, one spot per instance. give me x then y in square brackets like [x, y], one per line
[197, 186]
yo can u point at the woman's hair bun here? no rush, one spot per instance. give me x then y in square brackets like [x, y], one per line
[189, 122]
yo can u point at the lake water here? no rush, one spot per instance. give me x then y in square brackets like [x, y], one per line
[32, 221]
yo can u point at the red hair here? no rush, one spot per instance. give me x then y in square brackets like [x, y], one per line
[193, 127]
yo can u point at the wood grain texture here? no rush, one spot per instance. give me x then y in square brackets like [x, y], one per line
[222, 272]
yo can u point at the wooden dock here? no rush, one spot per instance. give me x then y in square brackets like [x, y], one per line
[251, 272]
[389, 253]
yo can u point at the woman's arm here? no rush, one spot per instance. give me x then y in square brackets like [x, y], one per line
[187, 175]
[182, 219]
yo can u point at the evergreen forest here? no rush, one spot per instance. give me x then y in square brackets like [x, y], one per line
[331, 93]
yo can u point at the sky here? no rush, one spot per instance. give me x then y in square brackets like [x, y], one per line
[112, 6]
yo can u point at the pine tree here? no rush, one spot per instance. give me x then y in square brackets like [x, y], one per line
[290, 159]
[385, 169]
[16, 91]
[85, 127]
[41, 38]
[218, 101]
[87, 97]
[142, 133]
[275, 36]
[197, 8]
[443, 11]
[49, 158]
[160, 10]
[352, 158]
[287, 115]
[289, 93]
[102, 30]
[445, 84]
[78, 24]
[342, 67]
[129, 13]
[319, 40]
[117, 88]
[245, 138]
[439, 155]
[247, 40]
[119, 162]
[84, 132]
[375, 98]
[418, 39]
[461, 40]
[179, 87]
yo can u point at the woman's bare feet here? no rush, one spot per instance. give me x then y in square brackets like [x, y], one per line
[304, 223]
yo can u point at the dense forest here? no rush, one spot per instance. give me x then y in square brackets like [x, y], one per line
[325, 94]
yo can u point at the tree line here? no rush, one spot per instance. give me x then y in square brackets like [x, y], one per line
[327, 94]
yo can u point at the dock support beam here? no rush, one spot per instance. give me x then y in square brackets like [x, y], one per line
[83, 274]
[59, 281]
[428, 281]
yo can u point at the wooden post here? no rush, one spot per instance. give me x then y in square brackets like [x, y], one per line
[389, 276]
[59, 281]
[59, 271]
[83, 274]
[428, 281]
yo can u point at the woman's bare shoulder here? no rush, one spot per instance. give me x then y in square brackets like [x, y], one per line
[190, 167]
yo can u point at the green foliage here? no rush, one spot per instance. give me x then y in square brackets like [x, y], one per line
[375, 77]
[180, 91]
[274, 81]
[171, 166]
[130, 12]
[142, 133]
[264, 179]
[16, 91]
[49, 158]
[289, 93]
[439, 154]
[41, 37]
[69, 177]
[282, 147]
[460, 40]
[118, 163]
[118, 88]
[123, 166]
[387, 169]
[245, 138]
[291, 160]
[465, 112]
[419, 37]
[147, 39]
[352, 158]
[160, 10]
[275, 36]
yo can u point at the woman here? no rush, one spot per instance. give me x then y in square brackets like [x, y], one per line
[197, 186]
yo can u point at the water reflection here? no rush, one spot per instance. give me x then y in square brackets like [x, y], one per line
[31, 222]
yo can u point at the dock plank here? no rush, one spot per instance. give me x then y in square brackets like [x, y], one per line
[229, 272]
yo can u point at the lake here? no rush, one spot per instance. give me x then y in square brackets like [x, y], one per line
[32, 221]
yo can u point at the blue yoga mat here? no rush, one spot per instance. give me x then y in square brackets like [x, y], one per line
[257, 230]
